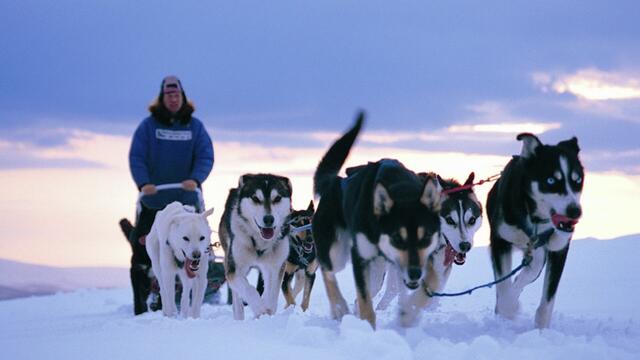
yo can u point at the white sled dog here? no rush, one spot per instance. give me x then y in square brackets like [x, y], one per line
[177, 245]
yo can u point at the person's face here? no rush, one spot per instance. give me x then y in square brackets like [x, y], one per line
[172, 101]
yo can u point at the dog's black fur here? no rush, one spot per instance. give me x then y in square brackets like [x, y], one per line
[302, 257]
[543, 182]
[140, 270]
[389, 205]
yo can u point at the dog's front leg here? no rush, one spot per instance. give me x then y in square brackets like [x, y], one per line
[272, 288]
[289, 272]
[362, 278]
[240, 285]
[168, 292]
[166, 274]
[553, 272]
[508, 303]
[412, 305]
[198, 291]
[377, 268]
[237, 305]
[339, 307]
[310, 278]
[187, 286]
[299, 283]
[392, 289]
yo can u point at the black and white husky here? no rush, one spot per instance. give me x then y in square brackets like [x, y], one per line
[380, 211]
[534, 206]
[253, 233]
[460, 219]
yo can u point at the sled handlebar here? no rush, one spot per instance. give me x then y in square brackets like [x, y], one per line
[171, 186]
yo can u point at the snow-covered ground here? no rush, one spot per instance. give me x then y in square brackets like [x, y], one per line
[597, 316]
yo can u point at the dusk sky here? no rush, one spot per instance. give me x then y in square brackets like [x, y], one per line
[447, 86]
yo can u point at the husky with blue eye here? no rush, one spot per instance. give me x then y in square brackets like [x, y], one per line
[534, 207]
[253, 232]
[379, 213]
[460, 218]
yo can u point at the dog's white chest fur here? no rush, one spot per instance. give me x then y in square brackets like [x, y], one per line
[514, 235]
[366, 249]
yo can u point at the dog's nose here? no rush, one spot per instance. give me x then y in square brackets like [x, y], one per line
[465, 246]
[196, 255]
[268, 220]
[414, 272]
[574, 211]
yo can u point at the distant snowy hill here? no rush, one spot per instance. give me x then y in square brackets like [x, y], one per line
[596, 317]
[20, 279]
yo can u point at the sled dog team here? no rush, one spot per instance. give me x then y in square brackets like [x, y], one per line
[389, 221]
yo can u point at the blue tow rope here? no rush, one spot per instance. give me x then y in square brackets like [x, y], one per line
[525, 262]
[538, 241]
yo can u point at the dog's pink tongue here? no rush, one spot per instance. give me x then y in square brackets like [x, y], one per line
[267, 233]
[451, 255]
[557, 219]
[187, 269]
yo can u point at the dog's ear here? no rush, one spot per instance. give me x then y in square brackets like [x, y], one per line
[207, 213]
[382, 202]
[440, 180]
[530, 143]
[431, 194]
[310, 207]
[288, 185]
[571, 144]
[470, 179]
[243, 180]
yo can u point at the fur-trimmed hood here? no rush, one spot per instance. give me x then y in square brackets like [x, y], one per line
[161, 114]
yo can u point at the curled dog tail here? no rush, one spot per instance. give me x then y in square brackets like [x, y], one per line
[335, 157]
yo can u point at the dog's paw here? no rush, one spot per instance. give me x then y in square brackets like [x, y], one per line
[543, 317]
[408, 316]
[339, 310]
[260, 309]
[508, 307]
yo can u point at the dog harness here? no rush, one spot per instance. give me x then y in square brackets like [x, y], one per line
[301, 251]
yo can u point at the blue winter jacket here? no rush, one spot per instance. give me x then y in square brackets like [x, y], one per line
[163, 154]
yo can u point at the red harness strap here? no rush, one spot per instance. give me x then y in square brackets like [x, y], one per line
[470, 186]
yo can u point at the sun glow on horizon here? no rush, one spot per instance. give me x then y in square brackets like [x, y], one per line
[69, 216]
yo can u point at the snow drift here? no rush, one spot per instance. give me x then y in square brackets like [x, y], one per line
[596, 317]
